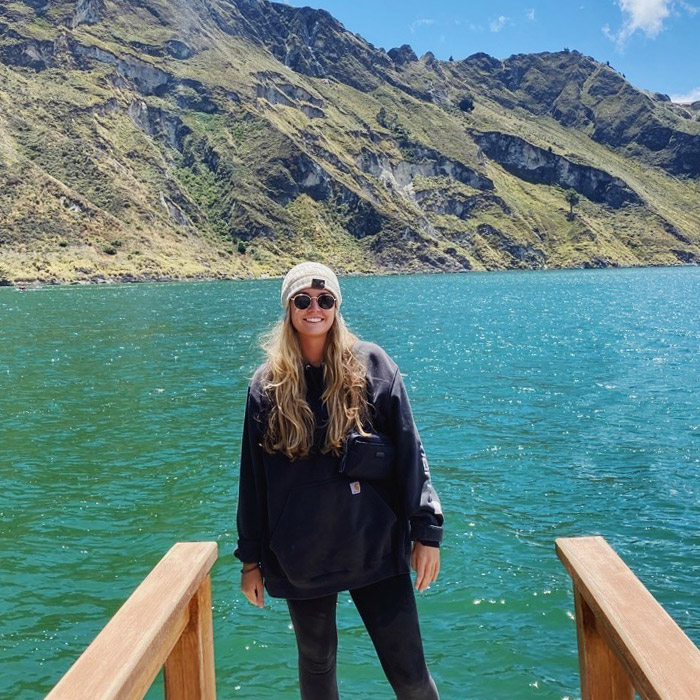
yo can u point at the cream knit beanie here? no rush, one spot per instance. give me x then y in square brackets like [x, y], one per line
[306, 275]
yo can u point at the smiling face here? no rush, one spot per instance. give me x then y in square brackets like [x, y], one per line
[313, 321]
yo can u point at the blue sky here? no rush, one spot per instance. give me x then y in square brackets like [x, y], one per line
[653, 42]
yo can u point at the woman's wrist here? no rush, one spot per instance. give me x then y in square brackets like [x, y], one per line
[249, 566]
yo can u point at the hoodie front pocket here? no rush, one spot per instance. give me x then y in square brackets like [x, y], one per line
[331, 527]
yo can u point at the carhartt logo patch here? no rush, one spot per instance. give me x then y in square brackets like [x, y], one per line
[355, 486]
[318, 284]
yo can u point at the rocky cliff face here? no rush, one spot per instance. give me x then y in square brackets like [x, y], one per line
[547, 168]
[145, 138]
[87, 12]
[579, 92]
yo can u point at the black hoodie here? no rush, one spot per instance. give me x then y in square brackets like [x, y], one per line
[314, 531]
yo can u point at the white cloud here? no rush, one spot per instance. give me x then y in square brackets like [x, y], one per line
[421, 23]
[690, 9]
[692, 96]
[646, 16]
[498, 24]
[530, 14]
[609, 33]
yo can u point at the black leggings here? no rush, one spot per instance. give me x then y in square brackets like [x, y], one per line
[388, 609]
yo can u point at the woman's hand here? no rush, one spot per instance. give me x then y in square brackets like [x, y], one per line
[426, 562]
[252, 584]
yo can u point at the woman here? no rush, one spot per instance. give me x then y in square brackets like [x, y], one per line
[306, 529]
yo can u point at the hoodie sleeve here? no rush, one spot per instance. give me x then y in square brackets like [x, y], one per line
[250, 515]
[420, 501]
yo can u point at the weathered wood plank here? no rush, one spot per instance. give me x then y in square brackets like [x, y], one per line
[662, 662]
[125, 657]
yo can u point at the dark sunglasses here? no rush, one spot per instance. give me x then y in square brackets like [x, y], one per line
[303, 301]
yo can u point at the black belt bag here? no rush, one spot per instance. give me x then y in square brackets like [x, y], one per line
[368, 457]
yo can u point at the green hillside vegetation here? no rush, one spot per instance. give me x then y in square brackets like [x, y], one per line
[170, 140]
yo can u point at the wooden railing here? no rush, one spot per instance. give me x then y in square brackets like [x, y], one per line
[626, 640]
[166, 623]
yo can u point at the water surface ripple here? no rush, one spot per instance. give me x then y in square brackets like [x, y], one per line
[550, 404]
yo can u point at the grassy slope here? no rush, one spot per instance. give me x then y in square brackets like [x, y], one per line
[82, 188]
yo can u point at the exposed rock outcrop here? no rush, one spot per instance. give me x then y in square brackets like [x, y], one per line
[87, 12]
[273, 95]
[178, 49]
[294, 93]
[174, 211]
[482, 61]
[403, 55]
[40, 6]
[582, 93]
[145, 77]
[523, 255]
[286, 172]
[428, 58]
[148, 79]
[192, 94]
[277, 91]
[158, 124]
[540, 166]
[155, 50]
[427, 162]
[683, 154]
[312, 112]
[308, 41]
[26, 53]
[442, 202]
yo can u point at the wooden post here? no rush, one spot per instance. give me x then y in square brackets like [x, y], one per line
[625, 638]
[166, 617]
[189, 669]
[602, 675]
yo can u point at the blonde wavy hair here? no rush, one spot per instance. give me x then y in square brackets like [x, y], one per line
[290, 420]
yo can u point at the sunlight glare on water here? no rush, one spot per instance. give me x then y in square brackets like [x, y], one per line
[550, 404]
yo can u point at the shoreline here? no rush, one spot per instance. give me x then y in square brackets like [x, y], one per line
[37, 283]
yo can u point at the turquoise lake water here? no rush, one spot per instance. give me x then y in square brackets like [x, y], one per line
[550, 404]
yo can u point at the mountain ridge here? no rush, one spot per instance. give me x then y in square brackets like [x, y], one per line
[143, 139]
